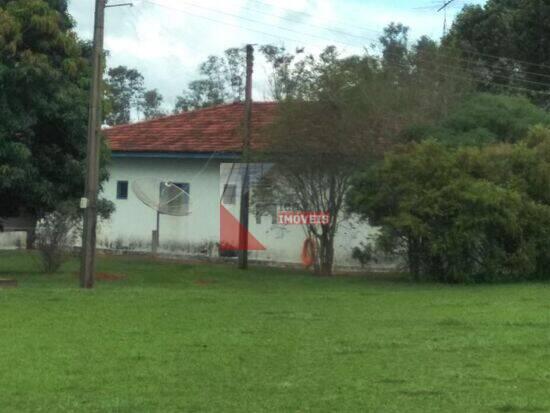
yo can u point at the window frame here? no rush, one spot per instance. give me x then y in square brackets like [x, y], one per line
[234, 194]
[184, 186]
[120, 192]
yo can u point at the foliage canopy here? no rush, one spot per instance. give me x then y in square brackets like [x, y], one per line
[467, 214]
[482, 119]
[44, 83]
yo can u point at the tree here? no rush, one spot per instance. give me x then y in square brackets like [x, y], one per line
[411, 75]
[309, 173]
[313, 147]
[199, 94]
[482, 119]
[286, 78]
[463, 215]
[151, 104]
[505, 42]
[336, 114]
[57, 234]
[124, 89]
[223, 82]
[395, 49]
[44, 83]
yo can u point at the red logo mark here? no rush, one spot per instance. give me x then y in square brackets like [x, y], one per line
[232, 234]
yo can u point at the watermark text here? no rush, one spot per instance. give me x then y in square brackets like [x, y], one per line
[303, 218]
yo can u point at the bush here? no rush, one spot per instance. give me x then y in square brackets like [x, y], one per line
[55, 235]
[364, 254]
[483, 119]
[464, 215]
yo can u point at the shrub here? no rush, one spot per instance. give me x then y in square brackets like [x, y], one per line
[483, 119]
[55, 235]
[364, 254]
[464, 215]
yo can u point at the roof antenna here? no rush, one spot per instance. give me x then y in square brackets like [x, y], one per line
[444, 8]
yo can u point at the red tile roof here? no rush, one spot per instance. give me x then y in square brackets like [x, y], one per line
[215, 129]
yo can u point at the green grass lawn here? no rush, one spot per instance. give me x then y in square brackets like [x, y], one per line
[208, 338]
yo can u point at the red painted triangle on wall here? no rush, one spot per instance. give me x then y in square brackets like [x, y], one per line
[230, 228]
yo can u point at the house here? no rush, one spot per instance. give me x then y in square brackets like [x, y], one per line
[196, 152]
[16, 232]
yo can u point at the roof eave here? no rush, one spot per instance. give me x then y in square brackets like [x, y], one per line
[175, 155]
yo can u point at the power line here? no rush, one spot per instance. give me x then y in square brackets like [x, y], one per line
[362, 37]
[504, 77]
[255, 22]
[434, 5]
[335, 29]
[345, 43]
[303, 13]
[279, 37]
[476, 62]
[518, 88]
[353, 35]
[447, 3]
[315, 26]
[188, 73]
[512, 60]
[330, 39]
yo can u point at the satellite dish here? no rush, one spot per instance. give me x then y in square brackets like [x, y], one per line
[165, 197]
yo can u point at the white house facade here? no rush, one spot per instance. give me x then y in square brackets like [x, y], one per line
[197, 151]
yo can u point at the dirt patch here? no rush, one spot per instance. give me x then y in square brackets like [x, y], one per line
[103, 276]
[204, 283]
[8, 283]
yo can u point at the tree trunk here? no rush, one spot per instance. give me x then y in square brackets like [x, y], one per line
[31, 238]
[326, 253]
[413, 258]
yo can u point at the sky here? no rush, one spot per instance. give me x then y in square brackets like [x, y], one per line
[166, 40]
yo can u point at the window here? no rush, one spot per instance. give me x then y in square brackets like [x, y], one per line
[122, 190]
[230, 194]
[174, 198]
[266, 209]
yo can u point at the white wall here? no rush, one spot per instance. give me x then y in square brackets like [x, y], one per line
[132, 223]
[13, 240]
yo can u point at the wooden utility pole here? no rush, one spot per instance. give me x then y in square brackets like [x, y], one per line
[245, 190]
[89, 202]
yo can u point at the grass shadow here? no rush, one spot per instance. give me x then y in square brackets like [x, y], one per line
[512, 408]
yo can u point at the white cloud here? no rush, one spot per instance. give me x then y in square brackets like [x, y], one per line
[167, 39]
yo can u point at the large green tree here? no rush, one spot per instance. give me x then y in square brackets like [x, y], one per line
[44, 83]
[505, 42]
[222, 81]
[151, 104]
[124, 92]
[482, 119]
[335, 114]
[463, 215]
